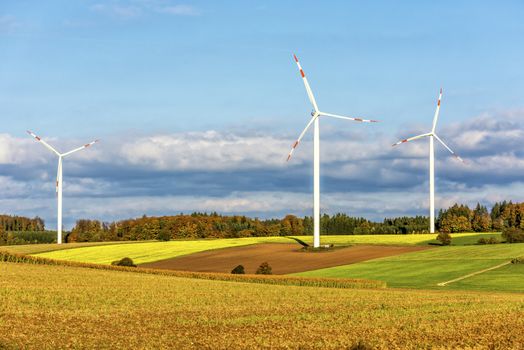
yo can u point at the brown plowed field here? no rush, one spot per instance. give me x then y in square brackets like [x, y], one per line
[283, 258]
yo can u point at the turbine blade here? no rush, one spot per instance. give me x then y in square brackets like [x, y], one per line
[300, 137]
[306, 84]
[449, 149]
[410, 139]
[356, 119]
[80, 148]
[437, 111]
[48, 146]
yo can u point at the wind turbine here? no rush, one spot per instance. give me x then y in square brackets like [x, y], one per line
[59, 179]
[315, 114]
[432, 135]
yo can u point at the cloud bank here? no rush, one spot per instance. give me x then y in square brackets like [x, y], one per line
[246, 173]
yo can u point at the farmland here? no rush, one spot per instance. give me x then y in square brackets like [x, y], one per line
[57, 307]
[427, 268]
[144, 252]
[283, 258]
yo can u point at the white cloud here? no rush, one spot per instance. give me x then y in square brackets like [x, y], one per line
[117, 10]
[233, 172]
[9, 23]
[137, 8]
[180, 10]
[209, 150]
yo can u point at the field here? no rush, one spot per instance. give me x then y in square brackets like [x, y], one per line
[422, 269]
[43, 248]
[283, 258]
[144, 252]
[425, 269]
[49, 307]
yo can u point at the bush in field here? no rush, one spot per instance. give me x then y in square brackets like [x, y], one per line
[360, 345]
[124, 262]
[491, 240]
[264, 269]
[239, 270]
[519, 260]
[444, 238]
[513, 235]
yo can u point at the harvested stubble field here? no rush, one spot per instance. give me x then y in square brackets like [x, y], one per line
[71, 307]
[283, 258]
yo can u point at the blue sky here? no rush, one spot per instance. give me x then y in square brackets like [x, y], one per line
[207, 97]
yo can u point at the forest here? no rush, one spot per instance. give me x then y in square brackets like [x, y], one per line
[457, 218]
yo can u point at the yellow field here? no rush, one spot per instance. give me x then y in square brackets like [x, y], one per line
[49, 307]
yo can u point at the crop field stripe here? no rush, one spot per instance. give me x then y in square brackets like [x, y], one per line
[442, 284]
[263, 279]
[150, 251]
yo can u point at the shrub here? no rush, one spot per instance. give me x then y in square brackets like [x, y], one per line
[239, 270]
[491, 240]
[360, 345]
[264, 269]
[444, 238]
[124, 262]
[513, 235]
[519, 260]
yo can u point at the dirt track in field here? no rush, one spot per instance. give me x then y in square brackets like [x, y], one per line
[283, 258]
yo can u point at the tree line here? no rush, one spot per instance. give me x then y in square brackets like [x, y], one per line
[21, 223]
[457, 218]
[460, 218]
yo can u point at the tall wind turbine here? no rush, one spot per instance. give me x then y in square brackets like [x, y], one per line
[432, 135]
[316, 113]
[59, 179]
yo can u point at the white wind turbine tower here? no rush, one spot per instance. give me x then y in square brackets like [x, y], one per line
[432, 135]
[316, 113]
[59, 179]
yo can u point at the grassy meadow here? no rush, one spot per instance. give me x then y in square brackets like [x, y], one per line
[425, 269]
[49, 307]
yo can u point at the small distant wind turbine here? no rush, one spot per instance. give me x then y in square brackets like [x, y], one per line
[316, 113]
[59, 179]
[431, 136]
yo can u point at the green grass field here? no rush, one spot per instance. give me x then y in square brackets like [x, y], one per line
[51, 307]
[508, 278]
[427, 268]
